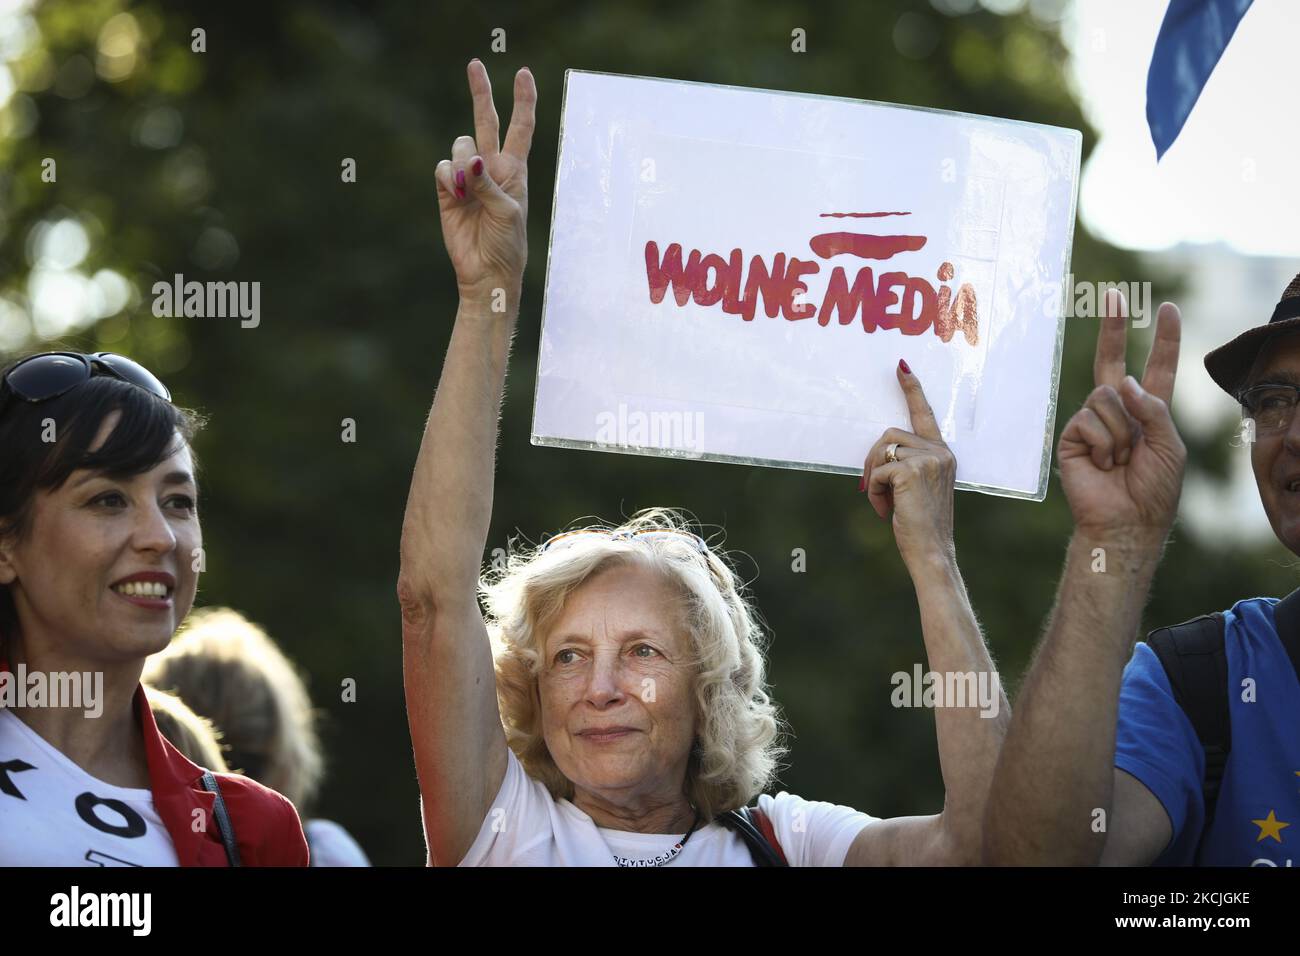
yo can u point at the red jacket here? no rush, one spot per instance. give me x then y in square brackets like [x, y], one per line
[266, 824]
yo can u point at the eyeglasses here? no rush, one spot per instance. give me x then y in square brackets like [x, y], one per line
[40, 378]
[567, 538]
[1272, 406]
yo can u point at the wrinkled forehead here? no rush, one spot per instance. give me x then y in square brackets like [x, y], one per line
[620, 603]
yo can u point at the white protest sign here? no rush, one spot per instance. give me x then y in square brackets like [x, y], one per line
[734, 275]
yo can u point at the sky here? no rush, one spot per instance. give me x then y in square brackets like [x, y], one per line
[1231, 176]
[1220, 211]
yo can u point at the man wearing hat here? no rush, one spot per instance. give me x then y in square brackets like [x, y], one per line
[1189, 754]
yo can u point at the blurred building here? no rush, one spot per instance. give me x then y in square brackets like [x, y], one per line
[1225, 293]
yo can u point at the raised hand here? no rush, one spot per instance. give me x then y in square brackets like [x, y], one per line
[483, 190]
[918, 485]
[1121, 458]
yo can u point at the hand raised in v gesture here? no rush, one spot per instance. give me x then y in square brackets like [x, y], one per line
[483, 190]
[1121, 458]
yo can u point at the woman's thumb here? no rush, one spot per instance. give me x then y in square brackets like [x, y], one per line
[481, 183]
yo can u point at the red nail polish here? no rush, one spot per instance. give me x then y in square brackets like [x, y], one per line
[862, 483]
[903, 365]
[477, 166]
[460, 177]
[460, 193]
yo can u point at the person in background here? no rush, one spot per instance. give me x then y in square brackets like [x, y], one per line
[192, 735]
[227, 669]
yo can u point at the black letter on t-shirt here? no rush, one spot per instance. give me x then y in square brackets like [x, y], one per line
[134, 826]
[7, 785]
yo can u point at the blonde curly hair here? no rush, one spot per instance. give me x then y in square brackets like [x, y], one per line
[739, 732]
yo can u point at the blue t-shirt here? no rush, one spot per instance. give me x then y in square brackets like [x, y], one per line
[1257, 821]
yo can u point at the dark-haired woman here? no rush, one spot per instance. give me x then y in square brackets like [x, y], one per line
[99, 546]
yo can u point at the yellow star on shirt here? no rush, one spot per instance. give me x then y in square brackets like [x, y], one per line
[1271, 826]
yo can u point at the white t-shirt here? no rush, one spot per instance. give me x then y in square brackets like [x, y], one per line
[331, 845]
[53, 813]
[526, 826]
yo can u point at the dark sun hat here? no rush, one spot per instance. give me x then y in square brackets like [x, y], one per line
[1229, 364]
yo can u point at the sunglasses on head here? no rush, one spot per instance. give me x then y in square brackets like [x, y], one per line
[40, 378]
[567, 538]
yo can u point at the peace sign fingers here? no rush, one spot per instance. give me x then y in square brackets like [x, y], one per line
[486, 125]
[523, 118]
[1108, 365]
[1162, 363]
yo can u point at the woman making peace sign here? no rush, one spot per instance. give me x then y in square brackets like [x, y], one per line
[608, 705]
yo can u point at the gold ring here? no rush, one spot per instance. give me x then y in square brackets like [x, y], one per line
[891, 452]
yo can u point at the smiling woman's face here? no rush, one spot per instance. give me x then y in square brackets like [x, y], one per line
[104, 570]
[617, 657]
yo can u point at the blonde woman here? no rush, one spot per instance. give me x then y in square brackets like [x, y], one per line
[624, 718]
[226, 668]
[192, 735]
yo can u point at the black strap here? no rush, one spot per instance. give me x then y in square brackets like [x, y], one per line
[1195, 660]
[1286, 617]
[224, 826]
[762, 851]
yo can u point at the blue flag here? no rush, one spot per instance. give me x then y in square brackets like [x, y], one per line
[1192, 38]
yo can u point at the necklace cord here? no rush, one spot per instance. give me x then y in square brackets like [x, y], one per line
[671, 853]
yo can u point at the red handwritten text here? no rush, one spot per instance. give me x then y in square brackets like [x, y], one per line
[709, 279]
